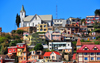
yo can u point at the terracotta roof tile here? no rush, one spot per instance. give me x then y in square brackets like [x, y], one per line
[74, 56]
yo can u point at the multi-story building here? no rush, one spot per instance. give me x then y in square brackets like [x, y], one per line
[88, 53]
[52, 56]
[72, 28]
[90, 20]
[34, 20]
[61, 46]
[16, 49]
[42, 28]
[30, 56]
[83, 29]
[6, 59]
[53, 35]
[59, 22]
[72, 20]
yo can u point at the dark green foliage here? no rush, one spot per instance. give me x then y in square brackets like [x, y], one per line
[97, 12]
[85, 40]
[46, 50]
[20, 31]
[8, 36]
[13, 31]
[83, 20]
[38, 47]
[97, 37]
[16, 59]
[35, 39]
[17, 20]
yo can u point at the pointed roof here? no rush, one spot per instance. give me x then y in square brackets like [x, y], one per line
[48, 53]
[22, 10]
[25, 48]
[78, 42]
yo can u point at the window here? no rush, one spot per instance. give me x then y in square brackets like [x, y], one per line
[53, 57]
[98, 53]
[50, 44]
[85, 58]
[40, 29]
[40, 25]
[44, 25]
[98, 58]
[33, 52]
[48, 35]
[14, 49]
[68, 28]
[95, 48]
[68, 44]
[85, 53]
[68, 49]
[21, 45]
[92, 58]
[92, 53]
[24, 54]
[32, 56]
[9, 50]
[44, 57]
[68, 32]
[85, 49]
[44, 29]
[57, 35]
[24, 58]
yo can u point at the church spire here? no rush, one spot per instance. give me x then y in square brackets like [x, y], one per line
[22, 10]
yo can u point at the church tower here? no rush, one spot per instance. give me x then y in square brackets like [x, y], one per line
[22, 15]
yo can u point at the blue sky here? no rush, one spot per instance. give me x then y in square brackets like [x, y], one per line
[66, 9]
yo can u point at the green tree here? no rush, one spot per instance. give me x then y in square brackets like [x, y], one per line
[38, 47]
[83, 20]
[17, 20]
[20, 31]
[97, 12]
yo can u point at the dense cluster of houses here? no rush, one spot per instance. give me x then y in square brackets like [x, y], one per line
[59, 34]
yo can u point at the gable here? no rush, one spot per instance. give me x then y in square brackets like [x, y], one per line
[36, 17]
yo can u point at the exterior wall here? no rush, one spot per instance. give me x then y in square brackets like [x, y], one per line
[55, 56]
[81, 57]
[60, 45]
[19, 52]
[33, 57]
[12, 50]
[48, 36]
[56, 37]
[68, 50]
[21, 46]
[44, 29]
[42, 36]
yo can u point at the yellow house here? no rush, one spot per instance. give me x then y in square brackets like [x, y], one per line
[42, 28]
[19, 52]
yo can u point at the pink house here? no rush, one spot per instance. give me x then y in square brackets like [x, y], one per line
[53, 35]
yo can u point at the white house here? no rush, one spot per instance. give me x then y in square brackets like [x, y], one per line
[34, 20]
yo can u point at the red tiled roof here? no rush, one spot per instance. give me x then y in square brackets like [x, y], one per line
[48, 53]
[56, 52]
[74, 56]
[78, 42]
[90, 47]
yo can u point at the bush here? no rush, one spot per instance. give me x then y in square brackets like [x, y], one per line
[20, 31]
[38, 47]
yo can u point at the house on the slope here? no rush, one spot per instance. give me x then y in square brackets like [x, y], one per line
[88, 53]
[52, 56]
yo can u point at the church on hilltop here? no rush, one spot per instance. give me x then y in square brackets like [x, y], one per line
[34, 20]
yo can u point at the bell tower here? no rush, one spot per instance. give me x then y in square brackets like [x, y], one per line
[22, 15]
